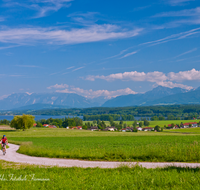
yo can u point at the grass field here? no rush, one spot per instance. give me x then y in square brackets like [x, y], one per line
[124, 148]
[96, 178]
[142, 146]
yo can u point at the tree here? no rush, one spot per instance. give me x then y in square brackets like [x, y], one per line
[157, 128]
[94, 122]
[121, 122]
[39, 124]
[135, 124]
[22, 122]
[68, 122]
[146, 123]
[140, 124]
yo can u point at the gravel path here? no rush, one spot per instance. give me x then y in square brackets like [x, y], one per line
[13, 156]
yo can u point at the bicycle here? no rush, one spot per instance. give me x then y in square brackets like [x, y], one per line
[4, 149]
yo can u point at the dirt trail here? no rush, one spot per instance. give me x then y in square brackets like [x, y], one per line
[13, 156]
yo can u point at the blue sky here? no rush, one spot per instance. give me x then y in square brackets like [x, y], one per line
[98, 48]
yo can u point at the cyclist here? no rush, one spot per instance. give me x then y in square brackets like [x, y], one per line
[4, 141]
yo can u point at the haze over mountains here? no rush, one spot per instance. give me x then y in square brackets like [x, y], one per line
[158, 96]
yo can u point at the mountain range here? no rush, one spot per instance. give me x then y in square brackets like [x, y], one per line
[158, 96]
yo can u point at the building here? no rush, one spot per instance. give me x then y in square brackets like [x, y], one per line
[147, 129]
[94, 128]
[139, 128]
[52, 126]
[46, 125]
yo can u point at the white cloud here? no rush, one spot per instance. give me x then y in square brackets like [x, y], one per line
[4, 96]
[190, 75]
[57, 86]
[170, 84]
[29, 36]
[132, 76]
[156, 77]
[92, 93]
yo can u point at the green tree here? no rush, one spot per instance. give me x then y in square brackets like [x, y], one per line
[39, 124]
[140, 124]
[146, 123]
[121, 122]
[135, 124]
[22, 122]
[157, 128]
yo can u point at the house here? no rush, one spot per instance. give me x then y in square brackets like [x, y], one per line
[129, 129]
[46, 125]
[67, 127]
[147, 129]
[35, 124]
[94, 128]
[124, 130]
[110, 129]
[139, 128]
[76, 127]
[175, 127]
[79, 127]
[186, 125]
[194, 124]
[52, 126]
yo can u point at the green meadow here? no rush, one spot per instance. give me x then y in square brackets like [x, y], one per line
[15, 176]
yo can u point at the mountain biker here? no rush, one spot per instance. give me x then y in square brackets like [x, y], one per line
[4, 141]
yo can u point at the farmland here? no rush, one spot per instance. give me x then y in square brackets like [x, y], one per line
[170, 145]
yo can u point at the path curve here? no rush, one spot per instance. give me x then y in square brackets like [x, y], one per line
[13, 156]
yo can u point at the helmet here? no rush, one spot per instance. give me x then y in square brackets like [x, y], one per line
[4, 135]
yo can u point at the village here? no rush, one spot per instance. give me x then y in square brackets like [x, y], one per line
[131, 129]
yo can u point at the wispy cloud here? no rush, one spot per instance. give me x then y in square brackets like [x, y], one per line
[2, 19]
[128, 54]
[78, 68]
[187, 52]
[173, 37]
[178, 2]
[85, 19]
[70, 67]
[43, 7]
[182, 13]
[7, 47]
[29, 36]
[28, 66]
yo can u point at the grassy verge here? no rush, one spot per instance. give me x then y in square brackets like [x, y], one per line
[15, 176]
[136, 148]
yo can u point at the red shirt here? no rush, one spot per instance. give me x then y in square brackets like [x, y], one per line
[3, 140]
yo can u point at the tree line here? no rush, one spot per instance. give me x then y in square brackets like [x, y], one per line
[177, 111]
